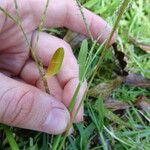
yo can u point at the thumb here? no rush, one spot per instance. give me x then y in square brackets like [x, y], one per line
[25, 106]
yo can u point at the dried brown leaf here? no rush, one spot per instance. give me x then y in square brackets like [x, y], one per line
[105, 89]
[142, 46]
[137, 80]
[115, 104]
[143, 103]
[121, 62]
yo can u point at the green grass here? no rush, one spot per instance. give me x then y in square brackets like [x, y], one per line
[103, 129]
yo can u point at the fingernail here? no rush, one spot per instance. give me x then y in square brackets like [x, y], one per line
[56, 121]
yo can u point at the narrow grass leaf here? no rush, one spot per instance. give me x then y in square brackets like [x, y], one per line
[113, 117]
[85, 134]
[101, 112]
[82, 59]
[117, 138]
[90, 3]
[55, 63]
[10, 138]
[73, 100]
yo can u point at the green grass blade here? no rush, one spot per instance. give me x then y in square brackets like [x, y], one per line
[117, 138]
[57, 140]
[101, 112]
[10, 138]
[82, 59]
[73, 101]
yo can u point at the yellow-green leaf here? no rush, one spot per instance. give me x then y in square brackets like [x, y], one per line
[55, 63]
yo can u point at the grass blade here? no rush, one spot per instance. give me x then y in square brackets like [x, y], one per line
[10, 138]
[101, 112]
[82, 59]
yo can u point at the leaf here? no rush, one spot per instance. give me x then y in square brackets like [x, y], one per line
[55, 63]
[105, 89]
[99, 106]
[137, 80]
[115, 104]
[121, 62]
[10, 138]
[143, 103]
[143, 46]
[82, 59]
[85, 134]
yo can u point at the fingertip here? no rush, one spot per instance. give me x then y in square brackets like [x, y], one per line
[30, 108]
[56, 121]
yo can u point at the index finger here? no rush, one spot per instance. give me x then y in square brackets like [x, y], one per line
[67, 13]
[64, 13]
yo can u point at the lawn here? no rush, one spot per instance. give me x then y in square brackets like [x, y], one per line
[117, 102]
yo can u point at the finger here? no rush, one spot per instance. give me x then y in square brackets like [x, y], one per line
[67, 13]
[45, 48]
[2, 16]
[59, 14]
[54, 87]
[24, 106]
[30, 74]
[98, 27]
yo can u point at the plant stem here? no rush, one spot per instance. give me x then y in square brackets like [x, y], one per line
[121, 12]
[85, 21]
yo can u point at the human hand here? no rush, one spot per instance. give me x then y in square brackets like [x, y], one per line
[22, 101]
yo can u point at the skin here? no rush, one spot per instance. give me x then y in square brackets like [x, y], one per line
[23, 103]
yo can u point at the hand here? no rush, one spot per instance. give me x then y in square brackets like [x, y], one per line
[22, 101]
